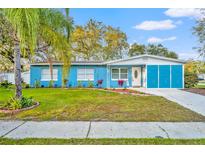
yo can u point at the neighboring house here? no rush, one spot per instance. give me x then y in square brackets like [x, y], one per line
[201, 76]
[146, 71]
[10, 77]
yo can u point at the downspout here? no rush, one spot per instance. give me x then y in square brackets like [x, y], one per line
[141, 76]
[108, 84]
[146, 76]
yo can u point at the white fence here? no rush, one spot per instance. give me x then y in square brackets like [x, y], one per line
[10, 77]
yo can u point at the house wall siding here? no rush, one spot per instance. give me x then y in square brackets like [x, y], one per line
[100, 73]
[35, 75]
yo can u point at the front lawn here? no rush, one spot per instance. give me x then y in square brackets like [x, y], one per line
[120, 141]
[93, 104]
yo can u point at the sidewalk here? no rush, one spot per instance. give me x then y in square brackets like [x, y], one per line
[78, 129]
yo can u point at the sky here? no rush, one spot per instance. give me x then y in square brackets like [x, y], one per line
[170, 27]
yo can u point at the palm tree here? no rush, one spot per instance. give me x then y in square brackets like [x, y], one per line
[30, 25]
[25, 23]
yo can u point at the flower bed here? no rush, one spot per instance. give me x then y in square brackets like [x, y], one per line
[128, 91]
[3, 110]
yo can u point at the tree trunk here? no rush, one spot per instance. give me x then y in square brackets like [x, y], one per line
[51, 67]
[17, 71]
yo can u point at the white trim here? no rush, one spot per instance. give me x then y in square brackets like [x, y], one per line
[183, 76]
[114, 61]
[85, 79]
[71, 64]
[170, 76]
[158, 76]
[119, 77]
[146, 76]
[146, 55]
[49, 80]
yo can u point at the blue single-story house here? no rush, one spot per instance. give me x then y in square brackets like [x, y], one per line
[146, 71]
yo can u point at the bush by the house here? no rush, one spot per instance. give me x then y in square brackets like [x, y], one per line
[80, 84]
[5, 84]
[90, 84]
[190, 79]
[37, 84]
[65, 82]
[50, 85]
[13, 103]
[25, 85]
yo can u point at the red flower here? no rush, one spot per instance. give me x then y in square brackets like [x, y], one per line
[120, 82]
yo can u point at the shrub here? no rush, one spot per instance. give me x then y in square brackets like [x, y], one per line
[65, 82]
[37, 84]
[26, 102]
[90, 84]
[190, 80]
[79, 84]
[25, 85]
[5, 84]
[50, 85]
[13, 103]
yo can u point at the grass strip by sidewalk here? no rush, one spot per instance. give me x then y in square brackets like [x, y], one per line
[154, 141]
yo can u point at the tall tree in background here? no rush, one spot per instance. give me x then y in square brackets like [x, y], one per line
[86, 40]
[115, 43]
[136, 49]
[152, 49]
[199, 31]
[96, 41]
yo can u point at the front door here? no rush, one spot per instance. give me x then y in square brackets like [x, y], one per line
[136, 76]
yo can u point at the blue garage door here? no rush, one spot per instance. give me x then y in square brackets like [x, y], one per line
[164, 76]
[176, 76]
[167, 76]
[152, 76]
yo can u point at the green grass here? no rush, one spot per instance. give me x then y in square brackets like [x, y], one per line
[201, 84]
[88, 104]
[35, 141]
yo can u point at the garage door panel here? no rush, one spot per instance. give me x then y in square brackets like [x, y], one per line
[176, 76]
[152, 76]
[164, 76]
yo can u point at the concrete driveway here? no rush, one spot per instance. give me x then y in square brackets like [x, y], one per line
[189, 100]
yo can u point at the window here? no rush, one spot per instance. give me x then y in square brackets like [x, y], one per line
[85, 74]
[136, 74]
[119, 74]
[46, 75]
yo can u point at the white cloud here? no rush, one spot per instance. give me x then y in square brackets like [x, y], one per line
[156, 25]
[160, 40]
[193, 13]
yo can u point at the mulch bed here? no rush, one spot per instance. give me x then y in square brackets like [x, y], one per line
[196, 90]
[128, 91]
[19, 110]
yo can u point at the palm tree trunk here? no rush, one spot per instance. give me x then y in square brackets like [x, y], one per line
[17, 71]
